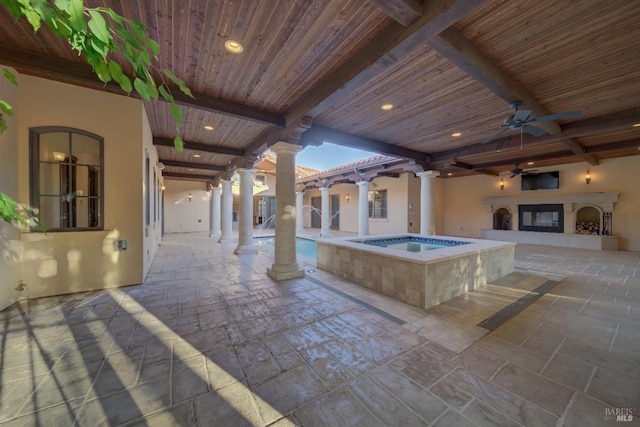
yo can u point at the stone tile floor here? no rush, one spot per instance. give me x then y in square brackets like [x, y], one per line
[210, 340]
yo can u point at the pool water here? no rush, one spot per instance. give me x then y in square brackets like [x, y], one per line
[304, 247]
[411, 244]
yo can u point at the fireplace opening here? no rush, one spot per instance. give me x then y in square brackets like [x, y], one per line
[548, 218]
[588, 221]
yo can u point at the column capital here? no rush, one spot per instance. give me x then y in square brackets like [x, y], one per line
[430, 173]
[246, 171]
[323, 189]
[282, 147]
[362, 183]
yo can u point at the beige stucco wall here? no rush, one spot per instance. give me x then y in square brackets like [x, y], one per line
[10, 249]
[64, 262]
[152, 233]
[465, 214]
[182, 215]
[397, 205]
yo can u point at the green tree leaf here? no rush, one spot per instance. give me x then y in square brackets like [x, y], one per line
[10, 76]
[98, 27]
[141, 87]
[165, 93]
[6, 108]
[178, 143]
[176, 112]
[76, 15]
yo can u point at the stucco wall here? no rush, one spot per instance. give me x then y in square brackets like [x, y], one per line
[10, 249]
[153, 232]
[182, 215]
[64, 262]
[465, 214]
[397, 205]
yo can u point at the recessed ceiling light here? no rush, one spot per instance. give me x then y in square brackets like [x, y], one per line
[530, 163]
[234, 46]
[208, 127]
[196, 156]
[449, 174]
[636, 125]
[456, 134]
[190, 169]
[387, 107]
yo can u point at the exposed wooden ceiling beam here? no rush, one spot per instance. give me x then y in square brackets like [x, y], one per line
[593, 126]
[462, 165]
[196, 146]
[317, 134]
[452, 45]
[80, 74]
[379, 54]
[620, 145]
[457, 49]
[190, 177]
[404, 12]
[192, 165]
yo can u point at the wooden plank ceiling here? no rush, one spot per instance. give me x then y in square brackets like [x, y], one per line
[447, 66]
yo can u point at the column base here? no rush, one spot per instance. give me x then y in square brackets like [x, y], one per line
[215, 235]
[245, 249]
[285, 275]
[224, 239]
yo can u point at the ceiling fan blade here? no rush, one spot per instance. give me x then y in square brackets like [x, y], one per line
[521, 115]
[513, 175]
[558, 116]
[491, 138]
[532, 130]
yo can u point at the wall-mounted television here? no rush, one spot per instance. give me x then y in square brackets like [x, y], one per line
[540, 181]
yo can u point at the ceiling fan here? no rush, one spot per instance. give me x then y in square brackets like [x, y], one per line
[518, 171]
[522, 120]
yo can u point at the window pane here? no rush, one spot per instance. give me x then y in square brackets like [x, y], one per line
[50, 212]
[85, 149]
[54, 146]
[50, 178]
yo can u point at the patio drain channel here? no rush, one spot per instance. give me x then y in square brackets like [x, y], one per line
[382, 313]
[511, 310]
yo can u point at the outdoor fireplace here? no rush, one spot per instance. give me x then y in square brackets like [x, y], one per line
[548, 218]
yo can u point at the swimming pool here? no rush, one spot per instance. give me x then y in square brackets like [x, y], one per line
[304, 247]
[411, 243]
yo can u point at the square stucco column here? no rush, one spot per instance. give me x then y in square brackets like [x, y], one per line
[428, 202]
[245, 214]
[285, 265]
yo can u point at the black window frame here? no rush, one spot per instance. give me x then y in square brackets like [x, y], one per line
[34, 173]
[384, 208]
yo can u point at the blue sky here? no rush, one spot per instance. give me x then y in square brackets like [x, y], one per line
[329, 155]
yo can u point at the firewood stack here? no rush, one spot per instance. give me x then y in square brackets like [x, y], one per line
[587, 227]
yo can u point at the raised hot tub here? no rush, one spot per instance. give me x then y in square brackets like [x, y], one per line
[422, 278]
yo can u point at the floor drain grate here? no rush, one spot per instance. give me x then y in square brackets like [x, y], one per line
[511, 310]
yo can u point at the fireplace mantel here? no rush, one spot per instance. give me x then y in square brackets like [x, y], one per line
[602, 202]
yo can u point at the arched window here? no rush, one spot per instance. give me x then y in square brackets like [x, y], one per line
[66, 170]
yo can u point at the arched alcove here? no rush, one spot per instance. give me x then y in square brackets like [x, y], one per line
[588, 220]
[502, 219]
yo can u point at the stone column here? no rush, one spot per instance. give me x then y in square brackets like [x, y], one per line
[427, 202]
[227, 212]
[245, 213]
[363, 208]
[214, 229]
[299, 212]
[325, 220]
[285, 265]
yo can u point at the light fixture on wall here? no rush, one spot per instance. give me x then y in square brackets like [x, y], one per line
[587, 177]
[190, 197]
[348, 198]
[58, 156]
[163, 187]
[501, 184]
